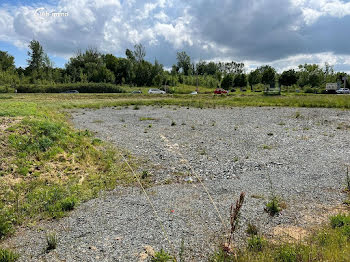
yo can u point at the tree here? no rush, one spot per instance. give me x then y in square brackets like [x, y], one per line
[36, 56]
[184, 62]
[227, 81]
[289, 78]
[240, 80]
[130, 55]
[268, 75]
[311, 75]
[254, 78]
[139, 52]
[89, 66]
[7, 62]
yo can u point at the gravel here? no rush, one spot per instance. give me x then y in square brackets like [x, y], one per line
[297, 154]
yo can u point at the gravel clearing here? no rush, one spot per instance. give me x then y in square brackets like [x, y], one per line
[298, 153]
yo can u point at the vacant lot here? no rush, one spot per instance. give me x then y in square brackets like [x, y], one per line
[300, 155]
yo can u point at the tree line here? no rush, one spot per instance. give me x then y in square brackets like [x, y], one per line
[92, 66]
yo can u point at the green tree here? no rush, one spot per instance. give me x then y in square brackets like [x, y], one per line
[89, 66]
[288, 78]
[183, 62]
[7, 62]
[240, 80]
[268, 75]
[254, 78]
[139, 52]
[36, 55]
[227, 81]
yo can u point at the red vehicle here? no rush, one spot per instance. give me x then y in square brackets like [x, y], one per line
[219, 91]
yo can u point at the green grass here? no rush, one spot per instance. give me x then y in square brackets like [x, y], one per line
[7, 255]
[48, 167]
[331, 243]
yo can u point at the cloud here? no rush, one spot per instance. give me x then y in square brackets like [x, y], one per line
[279, 32]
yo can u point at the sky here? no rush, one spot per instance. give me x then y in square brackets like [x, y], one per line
[280, 33]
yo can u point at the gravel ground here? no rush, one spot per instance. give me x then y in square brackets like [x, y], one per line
[299, 154]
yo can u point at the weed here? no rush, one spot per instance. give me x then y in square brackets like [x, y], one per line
[266, 147]
[162, 256]
[234, 220]
[273, 207]
[252, 229]
[136, 107]
[6, 223]
[236, 159]
[97, 122]
[281, 124]
[270, 134]
[347, 180]
[149, 126]
[7, 255]
[144, 174]
[68, 203]
[256, 243]
[122, 120]
[203, 152]
[147, 118]
[257, 196]
[297, 115]
[51, 239]
[173, 123]
[182, 251]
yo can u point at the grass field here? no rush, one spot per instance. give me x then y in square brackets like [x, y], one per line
[47, 167]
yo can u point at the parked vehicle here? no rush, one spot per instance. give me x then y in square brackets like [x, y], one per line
[156, 91]
[194, 93]
[70, 92]
[219, 91]
[136, 92]
[331, 88]
[343, 91]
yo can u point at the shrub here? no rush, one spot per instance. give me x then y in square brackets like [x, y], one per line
[80, 87]
[7, 255]
[273, 207]
[340, 220]
[162, 256]
[68, 203]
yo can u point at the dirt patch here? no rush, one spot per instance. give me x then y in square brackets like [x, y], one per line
[6, 122]
[290, 233]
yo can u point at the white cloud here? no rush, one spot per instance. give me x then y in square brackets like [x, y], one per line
[251, 30]
[315, 9]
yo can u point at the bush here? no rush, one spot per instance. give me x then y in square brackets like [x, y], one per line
[7, 255]
[340, 220]
[68, 203]
[81, 87]
[273, 207]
